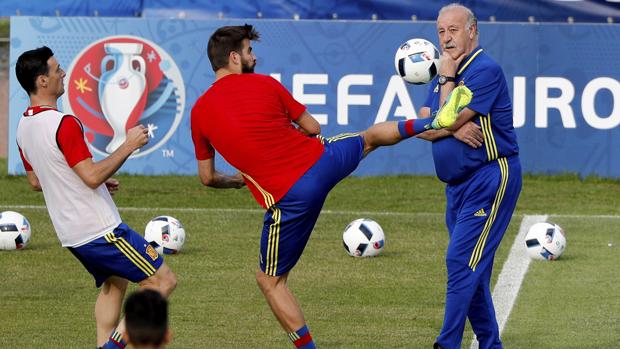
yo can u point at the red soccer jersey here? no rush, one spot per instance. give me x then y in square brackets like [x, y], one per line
[247, 118]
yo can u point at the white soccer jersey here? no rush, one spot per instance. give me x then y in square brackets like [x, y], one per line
[79, 214]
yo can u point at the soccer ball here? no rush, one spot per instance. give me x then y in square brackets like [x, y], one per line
[545, 241]
[14, 231]
[363, 238]
[417, 61]
[166, 234]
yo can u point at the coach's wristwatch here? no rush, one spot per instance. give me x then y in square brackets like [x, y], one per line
[443, 79]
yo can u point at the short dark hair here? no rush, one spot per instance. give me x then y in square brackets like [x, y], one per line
[30, 65]
[146, 317]
[228, 39]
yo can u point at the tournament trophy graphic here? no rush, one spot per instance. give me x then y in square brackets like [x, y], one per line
[124, 82]
[119, 82]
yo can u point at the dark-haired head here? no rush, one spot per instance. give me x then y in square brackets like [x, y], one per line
[30, 65]
[146, 318]
[226, 40]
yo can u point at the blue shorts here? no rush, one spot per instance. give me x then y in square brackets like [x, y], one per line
[289, 222]
[122, 252]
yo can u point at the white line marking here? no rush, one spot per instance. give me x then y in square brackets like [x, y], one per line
[238, 210]
[333, 212]
[512, 274]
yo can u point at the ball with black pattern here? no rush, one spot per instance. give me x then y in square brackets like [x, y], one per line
[417, 61]
[546, 241]
[363, 238]
[14, 231]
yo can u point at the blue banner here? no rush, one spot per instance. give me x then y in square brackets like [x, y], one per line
[563, 80]
[597, 11]
[110, 8]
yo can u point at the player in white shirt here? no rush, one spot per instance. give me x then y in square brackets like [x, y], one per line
[77, 195]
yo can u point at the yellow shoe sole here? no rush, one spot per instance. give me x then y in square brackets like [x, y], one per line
[457, 100]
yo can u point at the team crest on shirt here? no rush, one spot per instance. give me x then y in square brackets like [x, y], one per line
[121, 81]
[151, 252]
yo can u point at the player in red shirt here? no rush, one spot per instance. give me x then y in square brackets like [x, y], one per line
[260, 129]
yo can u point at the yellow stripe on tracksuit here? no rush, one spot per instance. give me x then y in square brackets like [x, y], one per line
[489, 139]
[269, 201]
[337, 137]
[342, 136]
[273, 240]
[499, 196]
[131, 253]
[469, 61]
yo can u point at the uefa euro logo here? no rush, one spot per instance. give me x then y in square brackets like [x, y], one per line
[119, 82]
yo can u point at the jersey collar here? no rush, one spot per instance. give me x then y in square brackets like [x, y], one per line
[470, 58]
[34, 110]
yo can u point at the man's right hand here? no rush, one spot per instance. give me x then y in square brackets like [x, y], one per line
[137, 137]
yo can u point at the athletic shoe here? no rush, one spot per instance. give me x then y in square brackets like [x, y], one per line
[457, 100]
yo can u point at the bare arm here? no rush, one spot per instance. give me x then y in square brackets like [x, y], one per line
[464, 116]
[212, 178]
[431, 135]
[468, 133]
[33, 180]
[449, 67]
[112, 184]
[93, 174]
[308, 124]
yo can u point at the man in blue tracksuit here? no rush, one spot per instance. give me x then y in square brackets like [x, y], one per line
[478, 159]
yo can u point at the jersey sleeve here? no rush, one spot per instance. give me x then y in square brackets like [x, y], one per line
[70, 140]
[294, 109]
[202, 146]
[27, 165]
[485, 86]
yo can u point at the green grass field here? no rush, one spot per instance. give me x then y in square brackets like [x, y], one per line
[392, 301]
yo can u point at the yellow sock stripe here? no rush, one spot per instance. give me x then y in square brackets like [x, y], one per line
[271, 264]
[117, 336]
[293, 336]
[468, 61]
[342, 136]
[499, 196]
[129, 252]
[266, 196]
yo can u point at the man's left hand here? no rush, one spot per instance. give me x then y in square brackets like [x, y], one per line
[112, 184]
[470, 134]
